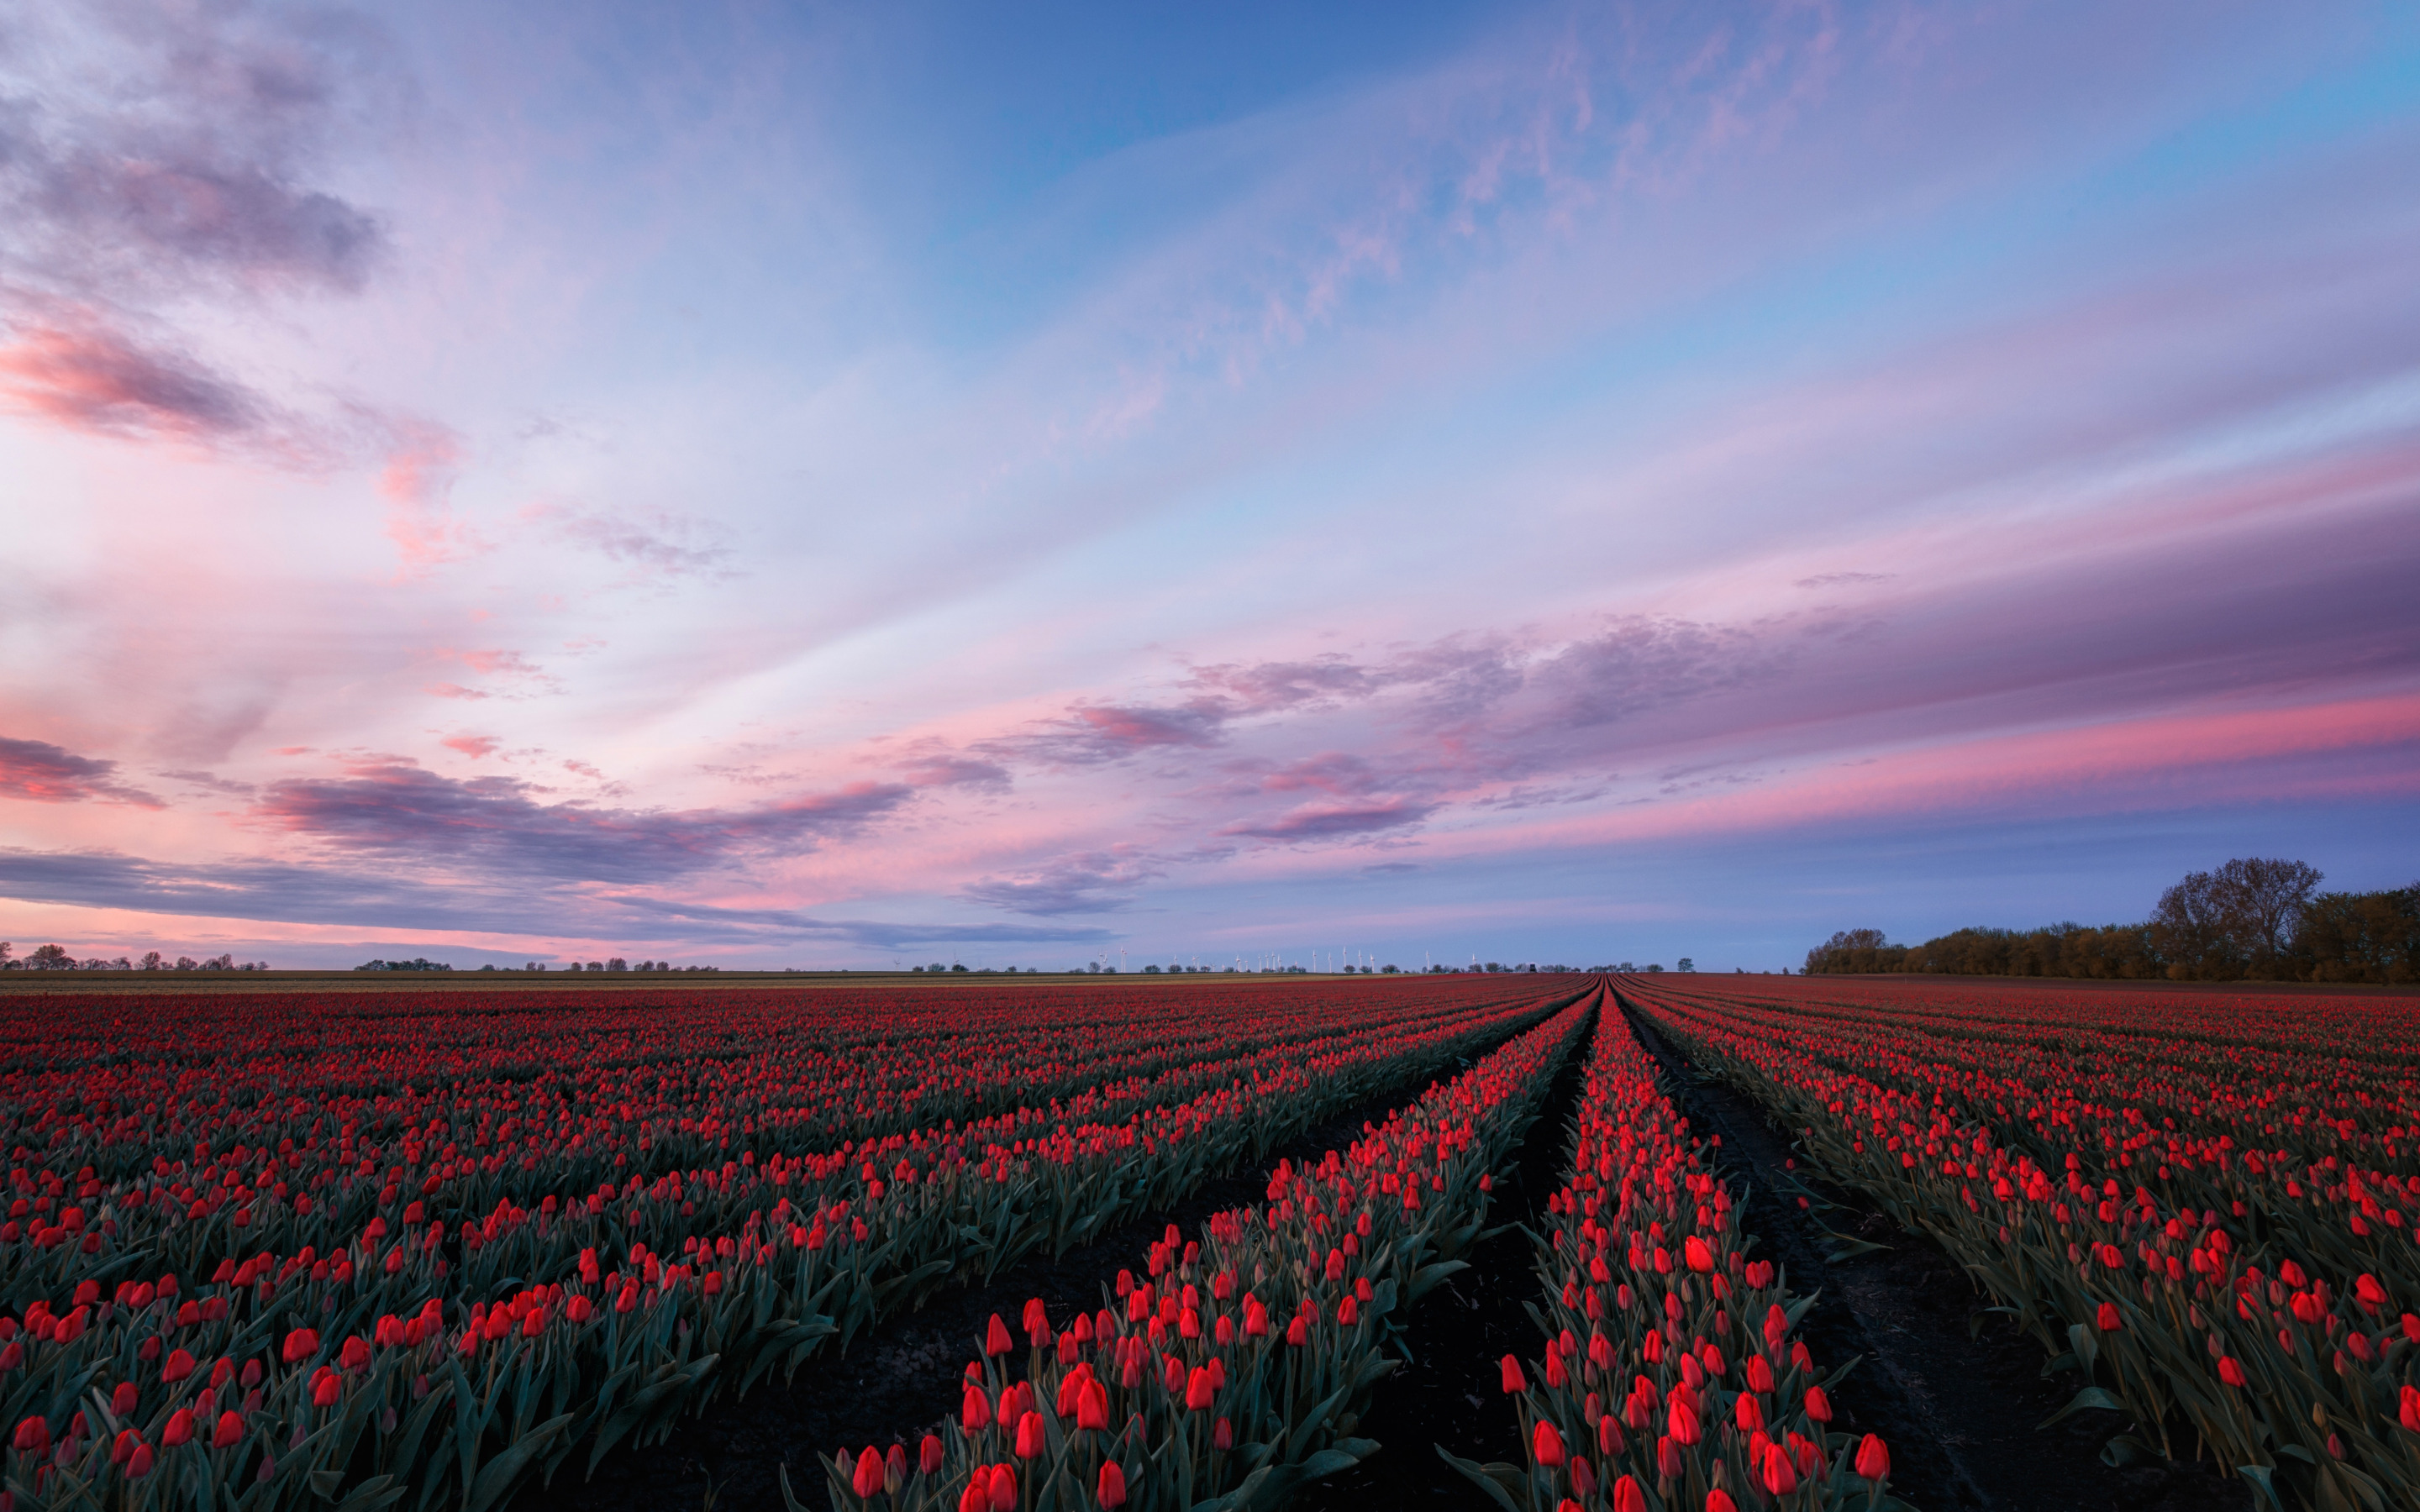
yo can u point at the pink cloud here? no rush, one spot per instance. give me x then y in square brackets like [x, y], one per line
[477, 748]
[90, 378]
[44, 773]
[421, 459]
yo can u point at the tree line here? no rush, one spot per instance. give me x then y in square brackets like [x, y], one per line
[2251, 919]
[59, 958]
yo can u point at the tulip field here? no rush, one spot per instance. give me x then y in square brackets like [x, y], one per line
[1236, 1367]
[2204, 1207]
[420, 1249]
[411, 1250]
[1689, 1391]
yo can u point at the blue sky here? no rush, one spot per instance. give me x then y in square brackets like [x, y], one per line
[793, 486]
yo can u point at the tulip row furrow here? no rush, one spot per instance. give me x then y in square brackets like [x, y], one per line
[455, 1360]
[1238, 1367]
[2227, 1305]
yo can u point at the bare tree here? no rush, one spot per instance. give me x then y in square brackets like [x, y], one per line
[2263, 900]
[2235, 922]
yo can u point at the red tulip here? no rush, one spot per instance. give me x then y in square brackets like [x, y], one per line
[997, 1339]
[1545, 1444]
[1627, 1497]
[1780, 1477]
[2108, 1319]
[1513, 1379]
[1028, 1436]
[1819, 1407]
[1682, 1422]
[868, 1479]
[1110, 1491]
[2230, 1372]
[179, 1429]
[229, 1431]
[1874, 1458]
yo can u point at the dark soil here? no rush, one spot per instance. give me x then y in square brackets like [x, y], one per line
[1955, 1392]
[897, 1377]
[1450, 1392]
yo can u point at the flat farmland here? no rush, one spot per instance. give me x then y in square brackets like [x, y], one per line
[1618, 1243]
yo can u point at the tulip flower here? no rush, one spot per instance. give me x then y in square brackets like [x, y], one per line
[229, 1430]
[1874, 1458]
[1780, 1477]
[1545, 1444]
[1513, 1379]
[868, 1479]
[1111, 1489]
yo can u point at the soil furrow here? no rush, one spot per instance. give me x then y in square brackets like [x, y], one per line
[1954, 1390]
[1451, 1392]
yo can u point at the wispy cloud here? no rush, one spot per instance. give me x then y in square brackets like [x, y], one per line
[1096, 883]
[499, 825]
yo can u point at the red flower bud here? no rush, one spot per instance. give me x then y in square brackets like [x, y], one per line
[1546, 1444]
[868, 1479]
[1874, 1458]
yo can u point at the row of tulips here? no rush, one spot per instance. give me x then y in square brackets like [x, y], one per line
[972, 1208]
[1237, 1367]
[2227, 1306]
[1668, 1378]
[292, 1149]
[315, 1373]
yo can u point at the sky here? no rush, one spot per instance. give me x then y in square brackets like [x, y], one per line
[1023, 485]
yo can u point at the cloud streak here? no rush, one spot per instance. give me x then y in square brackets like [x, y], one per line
[40, 772]
[497, 826]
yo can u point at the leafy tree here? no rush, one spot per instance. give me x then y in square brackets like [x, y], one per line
[2361, 936]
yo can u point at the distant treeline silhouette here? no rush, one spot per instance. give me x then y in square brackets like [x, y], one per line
[2250, 920]
[57, 958]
